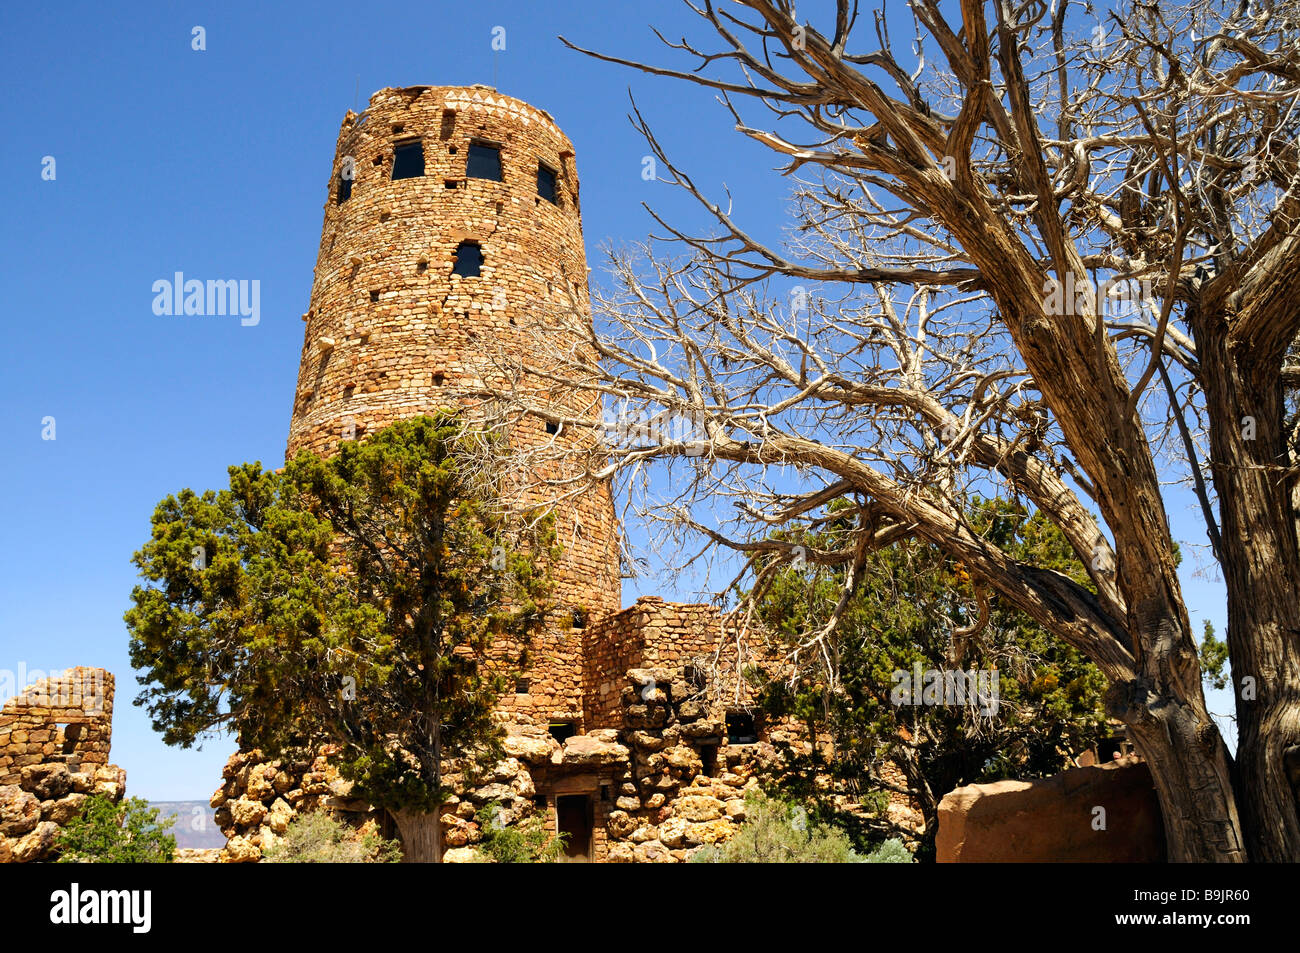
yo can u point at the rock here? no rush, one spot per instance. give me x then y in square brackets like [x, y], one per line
[643, 834]
[1050, 820]
[83, 782]
[282, 782]
[37, 845]
[340, 787]
[259, 786]
[620, 854]
[522, 785]
[219, 797]
[20, 811]
[531, 748]
[619, 824]
[651, 852]
[463, 855]
[628, 804]
[247, 813]
[672, 832]
[584, 750]
[240, 850]
[279, 816]
[655, 800]
[64, 809]
[506, 770]
[646, 740]
[607, 735]
[221, 817]
[698, 807]
[710, 832]
[6, 851]
[48, 782]
[683, 758]
[736, 809]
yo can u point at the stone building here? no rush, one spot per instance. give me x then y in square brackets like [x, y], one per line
[452, 228]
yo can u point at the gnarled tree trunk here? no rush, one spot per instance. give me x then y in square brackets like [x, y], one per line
[421, 836]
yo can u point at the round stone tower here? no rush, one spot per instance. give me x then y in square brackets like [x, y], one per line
[452, 228]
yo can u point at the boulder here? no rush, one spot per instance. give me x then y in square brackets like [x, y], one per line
[585, 750]
[20, 811]
[672, 832]
[36, 845]
[1052, 820]
[279, 816]
[698, 807]
[247, 813]
[48, 782]
[463, 855]
[64, 809]
[240, 850]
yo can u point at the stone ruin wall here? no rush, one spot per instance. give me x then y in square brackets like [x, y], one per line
[392, 333]
[54, 747]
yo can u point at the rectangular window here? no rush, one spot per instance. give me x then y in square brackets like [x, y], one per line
[469, 260]
[546, 184]
[484, 162]
[345, 188]
[408, 160]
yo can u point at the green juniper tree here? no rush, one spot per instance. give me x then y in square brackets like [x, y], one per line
[352, 601]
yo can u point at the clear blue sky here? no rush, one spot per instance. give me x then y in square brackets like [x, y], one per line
[215, 163]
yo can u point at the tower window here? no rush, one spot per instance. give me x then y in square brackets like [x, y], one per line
[484, 162]
[469, 260]
[546, 184]
[345, 188]
[552, 427]
[560, 730]
[408, 160]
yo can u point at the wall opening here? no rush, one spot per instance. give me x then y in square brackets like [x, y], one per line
[469, 260]
[573, 819]
[741, 729]
[484, 162]
[546, 184]
[709, 755]
[345, 189]
[408, 160]
[560, 730]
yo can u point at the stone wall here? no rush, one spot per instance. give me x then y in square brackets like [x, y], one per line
[1102, 814]
[54, 747]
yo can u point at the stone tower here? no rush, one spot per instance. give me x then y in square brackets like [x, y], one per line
[452, 227]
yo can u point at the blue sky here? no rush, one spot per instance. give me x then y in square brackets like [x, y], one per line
[216, 163]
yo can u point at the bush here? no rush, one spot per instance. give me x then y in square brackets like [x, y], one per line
[129, 832]
[527, 842]
[776, 832]
[318, 838]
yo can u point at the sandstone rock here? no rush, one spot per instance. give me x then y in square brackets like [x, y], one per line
[531, 748]
[643, 834]
[37, 845]
[219, 797]
[655, 800]
[583, 750]
[672, 832]
[83, 782]
[282, 782]
[1051, 820]
[523, 785]
[698, 807]
[259, 787]
[240, 850]
[628, 804]
[683, 758]
[463, 855]
[6, 850]
[48, 782]
[710, 832]
[247, 813]
[736, 809]
[619, 824]
[620, 854]
[20, 811]
[64, 809]
[646, 740]
[279, 816]
[651, 852]
[221, 817]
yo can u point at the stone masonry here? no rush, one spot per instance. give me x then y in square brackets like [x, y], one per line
[54, 745]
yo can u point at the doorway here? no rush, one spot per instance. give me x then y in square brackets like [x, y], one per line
[573, 819]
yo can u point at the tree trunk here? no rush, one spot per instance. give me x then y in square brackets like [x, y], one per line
[1190, 768]
[421, 836]
[1261, 568]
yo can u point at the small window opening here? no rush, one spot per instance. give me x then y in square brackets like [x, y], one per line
[552, 427]
[449, 183]
[579, 619]
[452, 150]
[521, 686]
[345, 189]
[539, 801]
[374, 297]
[694, 677]
[546, 184]
[560, 730]
[709, 755]
[740, 728]
[605, 792]
[408, 160]
[484, 162]
[469, 260]
[422, 267]
[398, 130]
